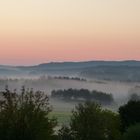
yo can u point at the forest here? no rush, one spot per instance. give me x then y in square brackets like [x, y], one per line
[83, 94]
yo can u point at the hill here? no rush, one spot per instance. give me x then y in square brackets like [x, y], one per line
[106, 70]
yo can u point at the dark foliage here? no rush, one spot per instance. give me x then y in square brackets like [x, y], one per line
[133, 133]
[134, 97]
[24, 116]
[90, 122]
[74, 94]
[129, 114]
[70, 78]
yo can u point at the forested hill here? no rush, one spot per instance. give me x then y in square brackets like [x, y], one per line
[112, 70]
[59, 65]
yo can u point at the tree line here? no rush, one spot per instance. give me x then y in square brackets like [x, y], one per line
[79, 94]
[25, 116]
[69, 78]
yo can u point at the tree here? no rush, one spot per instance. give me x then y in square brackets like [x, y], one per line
[133, 133]
[24, 116]
[134, 97]
[129, 114]
[112, 125]
[90, 122]
[84, 94]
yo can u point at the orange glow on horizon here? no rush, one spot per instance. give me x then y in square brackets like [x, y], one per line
[37, 31]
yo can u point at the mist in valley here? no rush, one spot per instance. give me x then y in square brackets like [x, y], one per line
[121, 91]
[119, 78]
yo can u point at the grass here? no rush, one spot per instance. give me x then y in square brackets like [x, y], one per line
[62, 117]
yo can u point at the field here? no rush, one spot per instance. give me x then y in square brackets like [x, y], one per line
[62, 117]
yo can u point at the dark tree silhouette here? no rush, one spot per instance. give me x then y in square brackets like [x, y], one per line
[24, 116]
[129, 114]
[75, 94]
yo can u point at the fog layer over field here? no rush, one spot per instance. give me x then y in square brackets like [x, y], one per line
[119, 90]
[120, 78]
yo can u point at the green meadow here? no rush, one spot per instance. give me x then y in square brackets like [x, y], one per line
[62, 117]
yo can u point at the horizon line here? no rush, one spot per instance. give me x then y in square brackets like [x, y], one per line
[82, 61]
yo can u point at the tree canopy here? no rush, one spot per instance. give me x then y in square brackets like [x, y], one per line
[129, 114]
[75, 94]
[90, 122]
[24, 116]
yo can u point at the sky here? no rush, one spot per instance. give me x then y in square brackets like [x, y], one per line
[38, 31]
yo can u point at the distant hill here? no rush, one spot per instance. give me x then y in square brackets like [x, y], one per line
[113, 73]
[87, 64]
[109, 70]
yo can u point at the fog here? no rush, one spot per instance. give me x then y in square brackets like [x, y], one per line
[120, 90]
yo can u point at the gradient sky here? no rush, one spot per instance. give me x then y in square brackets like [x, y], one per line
[36, 31]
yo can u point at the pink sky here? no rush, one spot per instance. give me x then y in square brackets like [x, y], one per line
[68, 31]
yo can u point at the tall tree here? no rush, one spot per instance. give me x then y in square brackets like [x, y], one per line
[90, 122]
[24, 116]
[129, 114]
